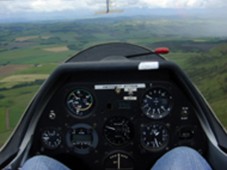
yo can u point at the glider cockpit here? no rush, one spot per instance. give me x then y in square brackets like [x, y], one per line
[116, 106]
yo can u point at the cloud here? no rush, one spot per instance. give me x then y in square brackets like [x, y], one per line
[10, 6]
[50, 5]
[182, 3]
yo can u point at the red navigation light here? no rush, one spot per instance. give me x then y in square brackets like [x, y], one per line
[161, 50]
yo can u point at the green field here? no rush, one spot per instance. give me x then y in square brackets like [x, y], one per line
[30, 52]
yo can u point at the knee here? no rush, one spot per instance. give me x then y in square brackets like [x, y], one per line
[184, 151]
[181, 158]
[36, 162]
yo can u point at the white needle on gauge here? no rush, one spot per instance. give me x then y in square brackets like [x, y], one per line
[149, 97]
[156, 142]
[111, 128]
[46, 138]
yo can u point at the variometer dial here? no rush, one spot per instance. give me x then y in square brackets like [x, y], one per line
[154, 137]
[80, 103]
[157, 103]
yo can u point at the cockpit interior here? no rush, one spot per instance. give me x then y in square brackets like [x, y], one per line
[116, 106]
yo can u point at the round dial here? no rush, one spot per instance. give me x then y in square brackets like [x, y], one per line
[80, 103]
[51, 138]
[82, 138]
[154, 137]
[119, 161]
[118, 130]
[157, 103]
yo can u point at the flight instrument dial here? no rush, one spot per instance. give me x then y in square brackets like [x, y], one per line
[51, 138]
[80, 103]
[157, 103]
[154, 137]
[119, 161]
[82, 138]
[118, 130]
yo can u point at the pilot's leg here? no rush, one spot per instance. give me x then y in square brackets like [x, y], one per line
[181, 158]
[43, 163]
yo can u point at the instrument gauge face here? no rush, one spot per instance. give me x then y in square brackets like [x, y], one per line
[118, 130]
[157, 103]
[80, 103]
[119, 161]
[154, 137]
[51, 138]
[82, 138]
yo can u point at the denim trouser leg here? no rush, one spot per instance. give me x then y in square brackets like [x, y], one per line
[181, 158]
[43, 163]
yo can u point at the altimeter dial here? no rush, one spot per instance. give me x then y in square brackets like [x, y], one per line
[154, 137]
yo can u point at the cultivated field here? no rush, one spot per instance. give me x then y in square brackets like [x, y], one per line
[57, 49]
[28, 57]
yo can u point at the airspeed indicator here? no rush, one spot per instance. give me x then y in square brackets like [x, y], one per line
[157, 103]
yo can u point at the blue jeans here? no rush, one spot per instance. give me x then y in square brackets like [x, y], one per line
[43, 163]
[180, 158]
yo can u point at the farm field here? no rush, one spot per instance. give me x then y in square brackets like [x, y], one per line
[30, 52]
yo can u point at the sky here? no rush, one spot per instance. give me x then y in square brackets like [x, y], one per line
[84, 8]
[12, 6]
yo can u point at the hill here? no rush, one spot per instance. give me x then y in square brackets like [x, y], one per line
[34, 49]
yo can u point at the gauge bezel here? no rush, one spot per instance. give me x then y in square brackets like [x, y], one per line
[130, 126]
[123, 154]
[83, 114]
[164, 114]
[93, 144]
[47, 146]
[163, 145]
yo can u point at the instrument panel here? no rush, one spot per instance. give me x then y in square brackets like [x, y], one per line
[115, 107]
[107, 125]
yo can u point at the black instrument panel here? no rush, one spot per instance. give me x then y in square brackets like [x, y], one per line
[122, 112]
[96, 124]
